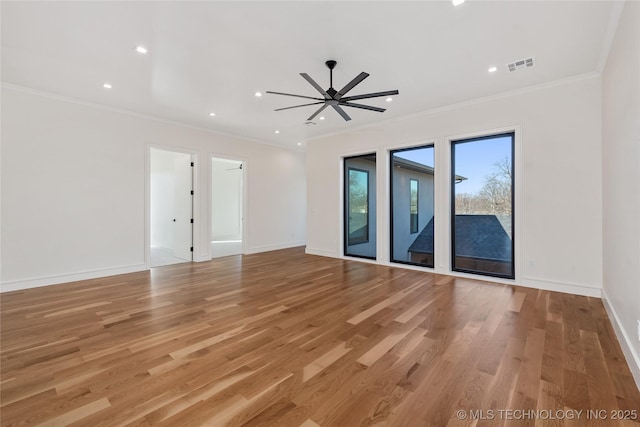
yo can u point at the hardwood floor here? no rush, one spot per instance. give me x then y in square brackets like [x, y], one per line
[288, 339]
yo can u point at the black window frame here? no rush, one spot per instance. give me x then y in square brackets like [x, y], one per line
[453, 143]
[346, 207]
[391, 215]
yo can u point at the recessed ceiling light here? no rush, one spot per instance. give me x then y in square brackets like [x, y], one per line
[277, 131]
[322, 118]
[107, 85]
[493, 69]
[299, 143]
[389, 99]
[142, 50]
[258, 94]
[457, 2]
[212, 114]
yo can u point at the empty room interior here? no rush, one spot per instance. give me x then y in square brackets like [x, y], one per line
[320, 213]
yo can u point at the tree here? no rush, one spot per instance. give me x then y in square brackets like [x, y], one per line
[495, 195]
[358, 192]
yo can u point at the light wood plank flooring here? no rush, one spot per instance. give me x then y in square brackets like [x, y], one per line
[288, 339]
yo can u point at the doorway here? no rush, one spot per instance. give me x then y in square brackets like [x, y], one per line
[171, 207]
[227, 200]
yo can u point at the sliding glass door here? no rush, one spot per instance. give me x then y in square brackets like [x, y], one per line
[482, 205]
[360, 206]
[412, 206]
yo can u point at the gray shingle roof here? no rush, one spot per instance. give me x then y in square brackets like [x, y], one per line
[424, 242]
[477, 236]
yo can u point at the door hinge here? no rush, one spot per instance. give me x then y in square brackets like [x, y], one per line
[192, 164]
[191, 220]
[191, 249]
[192, 192]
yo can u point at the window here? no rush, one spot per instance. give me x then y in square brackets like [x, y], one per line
[360, 215]
[412, 206]
[358, 206]
[482, 205]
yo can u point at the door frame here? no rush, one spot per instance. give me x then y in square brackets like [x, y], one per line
[147, 201]
[245, 200]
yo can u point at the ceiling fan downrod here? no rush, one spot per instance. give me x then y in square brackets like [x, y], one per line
[331, 64]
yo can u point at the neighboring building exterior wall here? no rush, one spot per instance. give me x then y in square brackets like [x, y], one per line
[402, 238]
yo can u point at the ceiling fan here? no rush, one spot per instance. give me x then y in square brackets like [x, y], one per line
[337, 98]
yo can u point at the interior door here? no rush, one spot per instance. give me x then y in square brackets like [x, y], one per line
[183, 225]
[226, 207]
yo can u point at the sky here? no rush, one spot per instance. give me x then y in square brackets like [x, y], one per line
[474, 160]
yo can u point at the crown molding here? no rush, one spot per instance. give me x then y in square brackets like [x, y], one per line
[437, 110]
[76, 101]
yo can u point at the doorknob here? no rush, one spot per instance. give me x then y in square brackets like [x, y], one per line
[174, 220]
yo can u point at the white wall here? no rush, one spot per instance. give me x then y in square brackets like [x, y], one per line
[558, 179]
[226, 190]
[73, 189]
[621, 183]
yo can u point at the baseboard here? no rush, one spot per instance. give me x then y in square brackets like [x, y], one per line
[633, 359]
[320, 252]
[527, 282]
[556, 286]
[267, 248]
[18, 285]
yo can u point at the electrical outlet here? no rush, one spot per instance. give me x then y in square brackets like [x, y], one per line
[532, 264]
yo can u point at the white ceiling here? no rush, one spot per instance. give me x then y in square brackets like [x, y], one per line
[213, 56]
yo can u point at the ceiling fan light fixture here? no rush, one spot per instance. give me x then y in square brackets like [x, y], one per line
[258, 94]
[336, 99]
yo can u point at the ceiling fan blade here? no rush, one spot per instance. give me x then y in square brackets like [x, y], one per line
[315, 85]
[296, 106]
[364, 107]
[297, 96]
[341, 112]
[317, 112]
[370, 95]
[360, 77]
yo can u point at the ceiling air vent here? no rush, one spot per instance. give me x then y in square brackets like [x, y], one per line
[523, 63]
